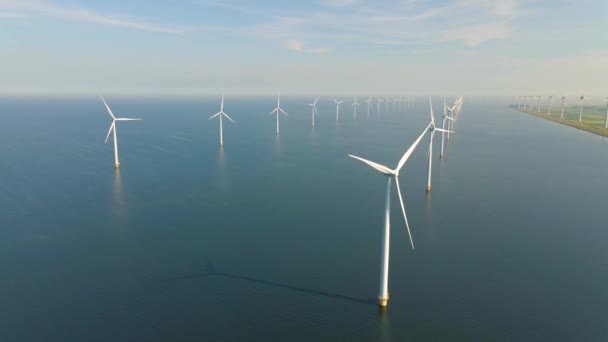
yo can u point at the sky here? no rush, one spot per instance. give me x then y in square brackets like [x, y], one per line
[409, 47]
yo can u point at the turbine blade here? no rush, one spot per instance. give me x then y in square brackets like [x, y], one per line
[282, 111]
[229, 118]
[444, 130]
[407, 225]
[410, 150]
[376, 166]
[449, 117]
[214, 115]
[274, 110]
[315, 103]
[107, 107]
[127, 119]
[110, 131]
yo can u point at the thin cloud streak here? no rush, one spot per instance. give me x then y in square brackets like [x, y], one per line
[42, 8]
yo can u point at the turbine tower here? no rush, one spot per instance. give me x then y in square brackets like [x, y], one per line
[369, 104]
[538, 101]
[390, 175]
[445, 117]
[549, 105]
[278, 110]
[314, 110]
[432, 129]
[379, 101]
[580, 111]
[563, 105]
[220, 114]
[113, 129]
[338, 109]
[606, 119]
[355, 105]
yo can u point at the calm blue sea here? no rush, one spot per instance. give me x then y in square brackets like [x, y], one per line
[278, 238]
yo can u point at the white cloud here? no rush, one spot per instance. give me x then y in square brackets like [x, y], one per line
[298, 46]
[9, 15]
[43, 8]
[475, 35]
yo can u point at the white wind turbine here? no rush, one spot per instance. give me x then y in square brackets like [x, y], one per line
[445, 117]
[220, 114]
[549, 105]
[379, 101]
[355, 105]
[278, 110]
[387, 102]
[580, 111]
[563, 104]
[314, 110]
[606, 119]
[113, 129]
[338, 109]
[432, 129]
[390, 174]
[538, 101]
[369, 104]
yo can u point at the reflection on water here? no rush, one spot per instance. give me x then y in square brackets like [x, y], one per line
[118, 198]
[384, 325]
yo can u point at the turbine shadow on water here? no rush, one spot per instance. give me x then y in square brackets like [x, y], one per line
[211, 271]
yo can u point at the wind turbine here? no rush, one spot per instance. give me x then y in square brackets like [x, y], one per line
[278, 110]
[314, 110]
[390, 175]
[113, 129]
[369, 104]
[432, 129]
[549, 105]
[355, 105]
[220, 114]
[606, 120]
[580, 112]
[379, 101]
[538, 101]
[338, 109]
[387, 101]
[445, 117]
[563, 104]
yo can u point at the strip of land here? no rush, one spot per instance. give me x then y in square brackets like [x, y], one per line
[593, 121]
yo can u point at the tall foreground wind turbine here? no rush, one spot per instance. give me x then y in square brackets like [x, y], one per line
[432, 129]
[220, 114]
[338, 109]
[355, 105]
[314, 110]
[445, 117]
[278, 110]
[580, 111]
[563, 105]
[113, 129]
[390, 175]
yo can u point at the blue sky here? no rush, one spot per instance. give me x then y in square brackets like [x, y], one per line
[469, 47]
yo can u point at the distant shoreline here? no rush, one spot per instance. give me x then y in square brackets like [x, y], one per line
[582, 126]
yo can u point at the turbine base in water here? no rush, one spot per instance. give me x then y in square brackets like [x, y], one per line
[440, 155]
[428, 188]
[383, 302]
[117, 165]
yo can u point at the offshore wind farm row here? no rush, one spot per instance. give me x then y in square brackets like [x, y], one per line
[591, 119]
[449, 119]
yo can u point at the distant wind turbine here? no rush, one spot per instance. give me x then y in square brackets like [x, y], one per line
[113, 129]
[379, 101]
[580, 112]
[338, 109]
[432, 129]
[445, 117]
[606, 119]
[314, 110]
[278, 110]
[387, 101]
[369, 104]
[220, 114]
[538, 101]
[390, 175]
[549, 105]
[563, 104]
[355, 105]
